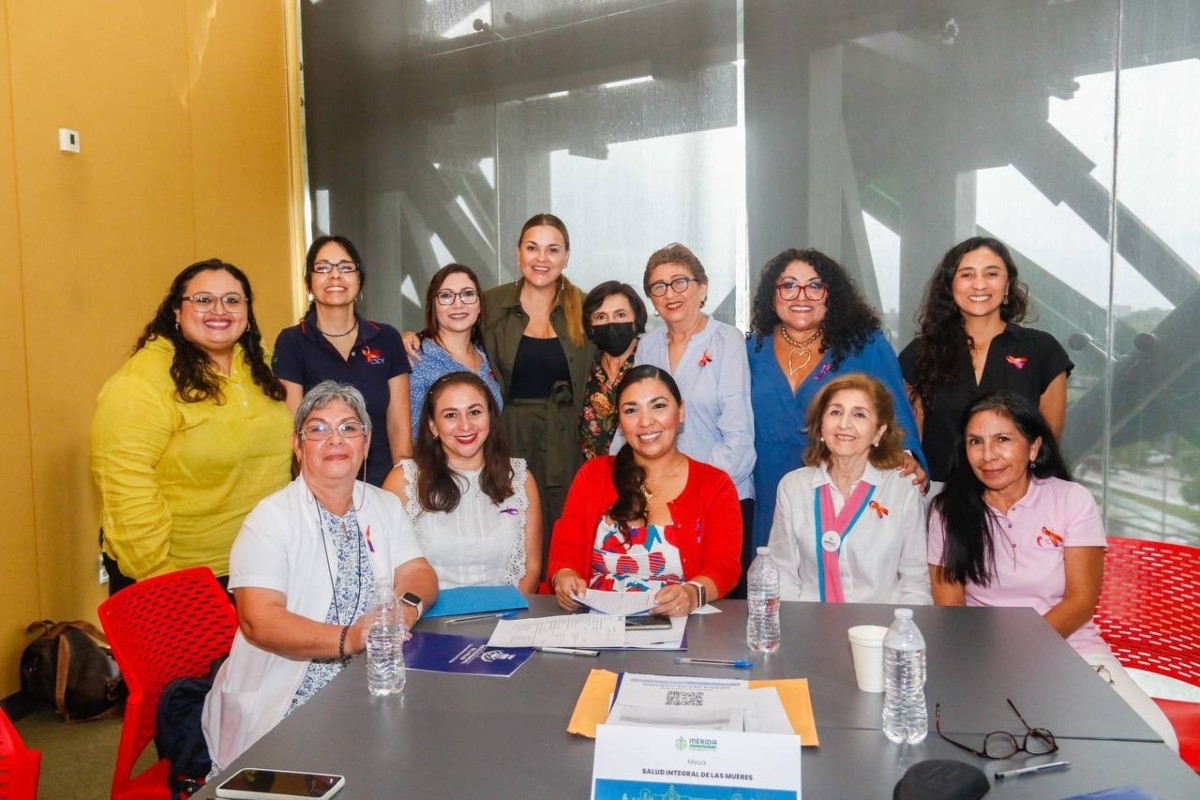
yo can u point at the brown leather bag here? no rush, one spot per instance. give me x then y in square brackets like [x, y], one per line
[69, 666]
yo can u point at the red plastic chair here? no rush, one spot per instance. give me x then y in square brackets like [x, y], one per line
[19, 766]
[163, 628]
[1149, 613]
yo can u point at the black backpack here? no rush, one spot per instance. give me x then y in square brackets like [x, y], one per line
[178, 734]
[69, 666]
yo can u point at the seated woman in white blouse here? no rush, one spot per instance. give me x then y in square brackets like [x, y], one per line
[848, 527]
[476, 511]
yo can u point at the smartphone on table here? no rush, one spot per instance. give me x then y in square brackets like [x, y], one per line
[278, 784]
[648, 622]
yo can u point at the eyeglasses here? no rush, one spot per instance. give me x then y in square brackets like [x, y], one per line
[469, 297]
[319, 431]
[679, 286]
[1001, 744]
[232, 303]
[326, 267]
[790, 290]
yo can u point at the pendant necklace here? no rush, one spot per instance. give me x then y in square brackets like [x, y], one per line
[799, 350]
[649, 495]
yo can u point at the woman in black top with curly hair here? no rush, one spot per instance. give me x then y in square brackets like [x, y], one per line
[970, 343]
[809, 323]
[190, 433]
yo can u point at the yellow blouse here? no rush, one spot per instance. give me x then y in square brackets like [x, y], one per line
[176, 479]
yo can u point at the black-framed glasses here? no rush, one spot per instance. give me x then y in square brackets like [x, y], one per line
[233, 303]
[1002, 744]
[790, 290]
[679, 286]
[326, 267]
[445, 297]
[319, 431]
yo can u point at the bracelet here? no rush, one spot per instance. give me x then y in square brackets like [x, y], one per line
[342, 644]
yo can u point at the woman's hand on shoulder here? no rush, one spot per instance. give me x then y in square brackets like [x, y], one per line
[412, 345]
[910, 466]
[567, 586]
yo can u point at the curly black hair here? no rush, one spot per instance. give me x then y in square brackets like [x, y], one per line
[943, 346]
[849, 321]
[195, 379]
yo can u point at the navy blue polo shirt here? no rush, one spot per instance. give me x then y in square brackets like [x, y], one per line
[303, 355]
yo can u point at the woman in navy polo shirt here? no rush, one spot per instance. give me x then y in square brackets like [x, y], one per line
[333, 342]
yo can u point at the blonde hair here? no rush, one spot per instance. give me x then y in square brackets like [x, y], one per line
[570, 295]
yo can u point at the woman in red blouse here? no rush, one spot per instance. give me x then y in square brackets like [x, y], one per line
[649, 518]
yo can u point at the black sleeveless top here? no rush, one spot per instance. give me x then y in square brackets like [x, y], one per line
[540, 363]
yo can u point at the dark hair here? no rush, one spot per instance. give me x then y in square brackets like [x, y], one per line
[569, 294]
[435, 286]
[674, 253]
[628, 476]
[970, 553]
[601, 292]
[195, 379]
[888, 452]
[943, 346]
[311, 259]
[438, 487]
[849, 320]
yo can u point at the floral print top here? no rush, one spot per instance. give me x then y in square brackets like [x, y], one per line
[598, 421]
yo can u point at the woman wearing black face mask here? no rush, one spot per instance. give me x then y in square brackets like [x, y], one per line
[613, 317]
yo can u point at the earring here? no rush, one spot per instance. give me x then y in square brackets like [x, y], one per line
[656, 313]
[310, 297]
[703, 301]
[1004, 302]
[176, 324]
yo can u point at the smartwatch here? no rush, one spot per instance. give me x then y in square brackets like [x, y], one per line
[413, 601]
[701, 593]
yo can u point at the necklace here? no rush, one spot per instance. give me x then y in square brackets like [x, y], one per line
[649, 495]
[353, 328]
[799, 349]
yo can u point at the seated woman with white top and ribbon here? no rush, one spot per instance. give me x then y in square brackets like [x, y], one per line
[848, 527]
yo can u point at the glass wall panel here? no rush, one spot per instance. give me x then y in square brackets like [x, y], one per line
[880, 131]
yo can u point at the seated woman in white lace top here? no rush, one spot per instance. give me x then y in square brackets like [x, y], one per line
[476, 511]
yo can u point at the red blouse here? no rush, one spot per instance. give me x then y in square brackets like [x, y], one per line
[706, 512]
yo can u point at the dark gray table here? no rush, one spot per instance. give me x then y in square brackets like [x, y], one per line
[461, 736]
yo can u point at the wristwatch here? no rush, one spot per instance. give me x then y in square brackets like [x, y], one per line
[413, 601]
[701, 593]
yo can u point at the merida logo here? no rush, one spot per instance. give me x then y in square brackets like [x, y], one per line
[695, 743]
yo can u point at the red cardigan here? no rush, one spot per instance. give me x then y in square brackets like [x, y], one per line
[708, 505]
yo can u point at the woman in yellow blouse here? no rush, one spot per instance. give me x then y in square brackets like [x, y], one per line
[190, 433]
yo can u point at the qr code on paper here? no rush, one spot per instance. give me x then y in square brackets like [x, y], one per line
[677, 698]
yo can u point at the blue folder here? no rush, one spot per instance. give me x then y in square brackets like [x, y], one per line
[476, 600]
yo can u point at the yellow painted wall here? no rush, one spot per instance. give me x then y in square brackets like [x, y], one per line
[183, 109]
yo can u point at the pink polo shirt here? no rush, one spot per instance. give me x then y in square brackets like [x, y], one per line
[1028, 543]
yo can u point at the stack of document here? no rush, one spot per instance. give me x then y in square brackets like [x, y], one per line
[716, 704]
[603, 629]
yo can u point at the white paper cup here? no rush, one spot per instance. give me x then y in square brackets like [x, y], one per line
[866, 644]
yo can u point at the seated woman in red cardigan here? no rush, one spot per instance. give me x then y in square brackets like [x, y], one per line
[648, 519]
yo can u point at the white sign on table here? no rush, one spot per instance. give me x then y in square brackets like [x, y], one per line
[717, 765]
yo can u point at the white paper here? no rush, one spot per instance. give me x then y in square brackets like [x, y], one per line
[632, 761]
[766, 713]
[621, 604]
[576, 630]
[680, 701]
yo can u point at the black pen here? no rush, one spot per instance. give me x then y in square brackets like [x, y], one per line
[1051, 767]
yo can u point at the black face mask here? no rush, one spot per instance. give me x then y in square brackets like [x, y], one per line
[613, 338]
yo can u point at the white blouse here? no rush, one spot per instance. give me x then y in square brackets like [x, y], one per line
[479, 543]
[882, 560]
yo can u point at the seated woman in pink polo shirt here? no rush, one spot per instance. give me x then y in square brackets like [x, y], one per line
[1012, 529]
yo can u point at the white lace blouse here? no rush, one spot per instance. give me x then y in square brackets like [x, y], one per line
[479, 543]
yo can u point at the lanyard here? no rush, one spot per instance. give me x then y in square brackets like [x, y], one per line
[824, 520]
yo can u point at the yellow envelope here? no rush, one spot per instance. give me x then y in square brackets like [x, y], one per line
[591, 709]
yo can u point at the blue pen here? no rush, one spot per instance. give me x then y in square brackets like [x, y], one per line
[476, 617]
[715, 662]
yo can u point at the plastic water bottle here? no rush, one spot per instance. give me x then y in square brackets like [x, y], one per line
[762, 603]
[385, 645]
[905, 717]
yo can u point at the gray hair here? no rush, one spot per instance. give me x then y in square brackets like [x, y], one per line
[325, 393]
